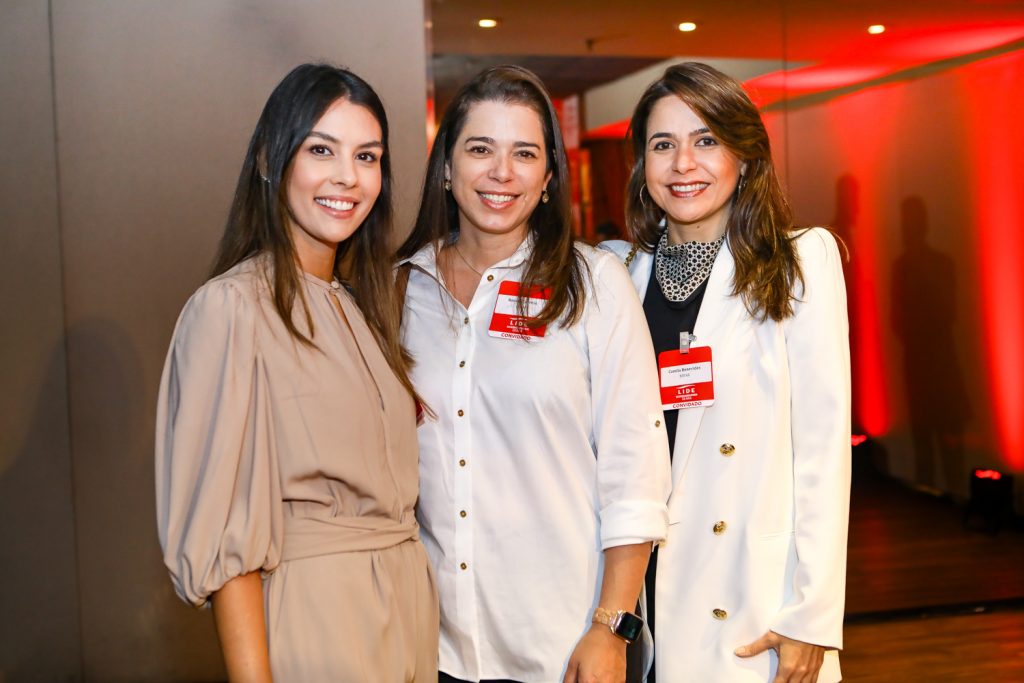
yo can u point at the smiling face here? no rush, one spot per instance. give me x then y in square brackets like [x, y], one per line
[690, 174]
[498, 168]
[333, 181]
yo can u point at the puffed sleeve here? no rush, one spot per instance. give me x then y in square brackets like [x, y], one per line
[633, 478]
[217, 486]
[817, 345]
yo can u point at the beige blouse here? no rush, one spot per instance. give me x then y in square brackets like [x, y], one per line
[269, 451]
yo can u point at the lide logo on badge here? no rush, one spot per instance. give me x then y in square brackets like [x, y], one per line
[687, 379]
[506, 321]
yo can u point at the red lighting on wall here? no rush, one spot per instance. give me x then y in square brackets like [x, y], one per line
[862, 129]
[876, 56]
[611, 131]
[817, 77]
[858, 439]
[988, 474]
[993, 100]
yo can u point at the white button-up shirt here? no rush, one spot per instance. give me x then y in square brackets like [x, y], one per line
[542, 454]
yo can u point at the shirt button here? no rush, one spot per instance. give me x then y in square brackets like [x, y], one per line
[490, 278]
[727, 449]
[463, 566]
[719, 528]
[462, 513]
[462, 463]
[462, 363]
[461, 412]
[657, 423]
[719, 614]
[465, 321]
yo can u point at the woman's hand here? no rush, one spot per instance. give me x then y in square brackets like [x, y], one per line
[799, 662]
[599, 657]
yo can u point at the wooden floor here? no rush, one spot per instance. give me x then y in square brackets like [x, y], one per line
[985, 647]
[928, 600]
[910, 550]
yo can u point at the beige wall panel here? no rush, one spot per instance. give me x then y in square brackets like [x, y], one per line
[156, 101]
[38, 601]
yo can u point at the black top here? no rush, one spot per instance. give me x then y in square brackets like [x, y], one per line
[666, 319]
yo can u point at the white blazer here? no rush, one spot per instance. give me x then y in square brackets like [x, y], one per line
[761, 480]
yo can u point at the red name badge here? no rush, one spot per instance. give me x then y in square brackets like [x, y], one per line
[687, 380]
[506, 321]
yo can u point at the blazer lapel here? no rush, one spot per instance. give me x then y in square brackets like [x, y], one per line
[711, 328]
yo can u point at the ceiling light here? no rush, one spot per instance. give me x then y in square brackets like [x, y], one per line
[487, 23]
[875, 29]
[687, 26]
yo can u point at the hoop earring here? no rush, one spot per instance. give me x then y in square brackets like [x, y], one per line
[544, 197]
[741, 184]
[447, 185]
[641, 195]
[264, 178]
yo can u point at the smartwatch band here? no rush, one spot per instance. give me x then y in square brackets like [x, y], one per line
[621, 623]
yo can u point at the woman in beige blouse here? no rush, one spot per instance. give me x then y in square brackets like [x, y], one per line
[286, 458]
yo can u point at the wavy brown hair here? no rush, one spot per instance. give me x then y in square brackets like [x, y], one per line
[555, 262]
[259, 218]
[759, 231]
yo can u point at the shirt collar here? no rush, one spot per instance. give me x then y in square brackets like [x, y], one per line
[426, 257]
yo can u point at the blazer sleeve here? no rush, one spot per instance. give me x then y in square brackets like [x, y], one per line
[217, 486]
[817, 346]
[633, 477]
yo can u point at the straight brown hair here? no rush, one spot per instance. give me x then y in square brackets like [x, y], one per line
[555, 262]
[760, 230]
[259, 217]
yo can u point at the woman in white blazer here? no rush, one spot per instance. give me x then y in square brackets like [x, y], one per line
[750, 584]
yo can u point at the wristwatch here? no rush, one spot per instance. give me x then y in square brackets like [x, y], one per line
[621, 623]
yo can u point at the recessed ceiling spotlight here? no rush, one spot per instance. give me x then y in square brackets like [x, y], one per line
[875, 29]
[487, 23]
[687, 26]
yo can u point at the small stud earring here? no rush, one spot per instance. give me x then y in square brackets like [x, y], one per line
[447, 185]
[544, 197]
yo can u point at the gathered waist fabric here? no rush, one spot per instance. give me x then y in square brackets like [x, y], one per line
[313, 536]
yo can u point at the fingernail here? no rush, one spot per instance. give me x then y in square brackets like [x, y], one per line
[740, 651]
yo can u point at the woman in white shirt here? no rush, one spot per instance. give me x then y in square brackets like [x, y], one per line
[544, 472]
[749, 586]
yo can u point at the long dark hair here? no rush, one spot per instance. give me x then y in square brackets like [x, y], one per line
[555, 262]
[258, 222]
[760, 228]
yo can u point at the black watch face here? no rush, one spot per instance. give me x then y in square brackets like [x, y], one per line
[629, 627]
